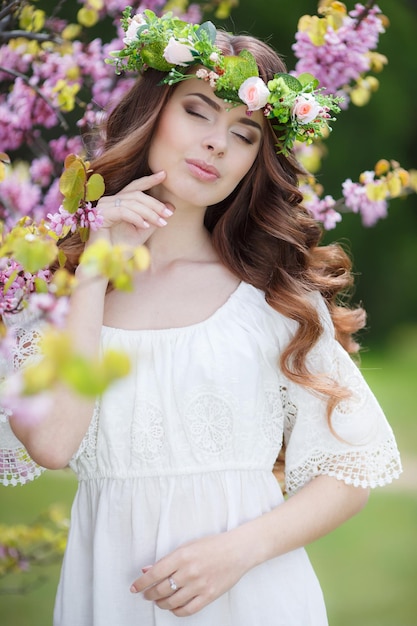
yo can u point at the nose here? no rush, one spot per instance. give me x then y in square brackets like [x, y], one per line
[216, 143]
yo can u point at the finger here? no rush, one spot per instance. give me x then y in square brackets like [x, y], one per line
[127, 215]
[160, 572]
[140, 199]
[177, 601]
[150, 209]
[189, 608]
[146, 182]
[162, 590]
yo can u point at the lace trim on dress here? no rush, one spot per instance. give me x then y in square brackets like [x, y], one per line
[373, 467]
[16, 466]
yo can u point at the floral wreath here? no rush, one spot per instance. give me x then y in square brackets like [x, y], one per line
[298, 109]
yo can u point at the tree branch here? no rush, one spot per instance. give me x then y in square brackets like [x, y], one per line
[364, 13]
[14, 34]
[7, 10]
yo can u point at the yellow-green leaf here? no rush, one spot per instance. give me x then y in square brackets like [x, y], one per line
[72, 181]
[41, 286]
[87, 17]
[39, 377]
[95, 187]
[34, 253]
[71, 204]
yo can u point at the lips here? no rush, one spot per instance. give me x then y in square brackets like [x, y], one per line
[202, 170]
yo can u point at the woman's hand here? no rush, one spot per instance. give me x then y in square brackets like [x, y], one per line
[194, 575]
[131, 216]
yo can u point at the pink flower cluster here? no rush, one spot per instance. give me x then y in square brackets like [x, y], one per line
[357, 200]
[30, 104]
[322, 209]
[343, 57]
[84, 217]
[16, 284]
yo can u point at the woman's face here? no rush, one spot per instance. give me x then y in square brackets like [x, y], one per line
[204, 144]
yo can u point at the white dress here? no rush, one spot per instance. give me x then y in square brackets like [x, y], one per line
[183, 448]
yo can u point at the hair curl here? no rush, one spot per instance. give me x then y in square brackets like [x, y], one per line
[261, 232]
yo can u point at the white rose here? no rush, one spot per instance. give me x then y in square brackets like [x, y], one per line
[136, 21]
[306, 108]
[177, 53]
[254, 93]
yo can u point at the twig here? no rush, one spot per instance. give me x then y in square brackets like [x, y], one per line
[14, 34]
[40, 94]
[8, 9]
[364, 13]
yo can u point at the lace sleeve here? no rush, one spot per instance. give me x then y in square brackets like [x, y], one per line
[361, 450]
[16, 466]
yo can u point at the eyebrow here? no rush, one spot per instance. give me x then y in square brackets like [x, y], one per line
[217, 107]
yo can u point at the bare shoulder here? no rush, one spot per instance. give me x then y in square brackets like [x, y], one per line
[185, 293]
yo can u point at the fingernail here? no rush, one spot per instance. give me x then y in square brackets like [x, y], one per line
[168, 212]
[146, 224]
[146, 568]
[162, 221]
[133, 589]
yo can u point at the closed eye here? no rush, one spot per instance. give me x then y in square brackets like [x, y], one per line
[244, 138]
[194, 113]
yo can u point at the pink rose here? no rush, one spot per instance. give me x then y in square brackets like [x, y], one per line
[306, 108]
[254, 93]
[177, 53]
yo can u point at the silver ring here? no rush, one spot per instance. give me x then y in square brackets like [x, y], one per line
[172, 584]
[117, 201]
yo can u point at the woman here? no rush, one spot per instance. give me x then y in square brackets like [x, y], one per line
[231, 335]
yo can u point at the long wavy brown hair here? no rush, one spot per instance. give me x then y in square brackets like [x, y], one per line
[261, 232]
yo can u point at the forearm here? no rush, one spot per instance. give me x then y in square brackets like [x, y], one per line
[317, 509]
[54, 438]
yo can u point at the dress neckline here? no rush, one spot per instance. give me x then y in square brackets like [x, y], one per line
[189, 327]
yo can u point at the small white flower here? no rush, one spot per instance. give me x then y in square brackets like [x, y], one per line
[214, 57]
[254, 93]
[202, 74]
[213, 78]
[306, 108]
[177, 53]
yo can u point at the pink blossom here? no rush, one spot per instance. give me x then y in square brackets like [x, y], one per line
[343, 56]
[41, 171]
[84, 217]
[322, 209]
[356, 199]
[254, 93]
[306, 108]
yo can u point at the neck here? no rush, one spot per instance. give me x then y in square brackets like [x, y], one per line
[184, 238]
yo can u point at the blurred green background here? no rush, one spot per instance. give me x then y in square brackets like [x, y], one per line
[368, 567]
[385, 256]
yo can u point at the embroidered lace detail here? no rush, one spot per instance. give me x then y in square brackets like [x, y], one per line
[88, 447]
[290, 413]
[209, 422]
[26, 347]
[373, 467]
[148, 433]
[16, 466]
[273, 418]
